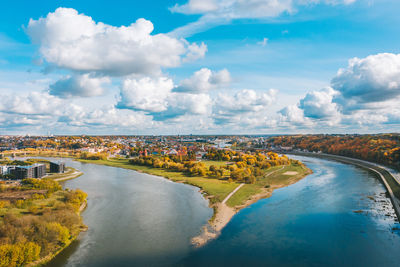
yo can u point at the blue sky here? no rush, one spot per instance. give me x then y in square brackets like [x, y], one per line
[259, 66]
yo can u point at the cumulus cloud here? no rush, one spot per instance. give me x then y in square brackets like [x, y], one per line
[204, 80]
[366, 92]
[103, 117]
[35, 103]
[180, 104]
[74, 41]
[293, 116]
[375, 78]
[78, 85]
[229, 108]
[146, 94]
[319, 105]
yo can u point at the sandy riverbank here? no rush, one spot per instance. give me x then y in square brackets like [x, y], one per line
[73, 175]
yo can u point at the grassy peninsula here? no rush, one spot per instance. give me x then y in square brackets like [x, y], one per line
[257, 175]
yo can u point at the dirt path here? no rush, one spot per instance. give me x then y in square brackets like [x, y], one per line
[231, 194]
[274, 171]
[71, 176]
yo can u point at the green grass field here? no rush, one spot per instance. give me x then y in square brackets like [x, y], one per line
[276, 179]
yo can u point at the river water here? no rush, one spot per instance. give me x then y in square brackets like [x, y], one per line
[137, 219]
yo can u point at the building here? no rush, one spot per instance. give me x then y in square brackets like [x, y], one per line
[23, 172]
[32, 171]
[57, 167]
[40, 170]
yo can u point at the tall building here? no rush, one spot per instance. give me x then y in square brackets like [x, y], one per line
[32, 171]
[57, 167]
[23, 172]
[40, 170]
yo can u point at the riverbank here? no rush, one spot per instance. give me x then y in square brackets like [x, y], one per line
[219, 192]
[43, 205]
[71, 173]
[50, 257]
[391, 184]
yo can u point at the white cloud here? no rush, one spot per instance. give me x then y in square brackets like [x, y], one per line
[78, 85]
[217, 12]
[104, 117]
[145, 94]
[204, 80]
[375, 78]
[365, 93]
[195, 51]
[263, 42]
[319, 105]
[35, 103]
[74, 41]
[180, 104]
[292, 116]
[196, 6]
[236, 8]
[228, 108]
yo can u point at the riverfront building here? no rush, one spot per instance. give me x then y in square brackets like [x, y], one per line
[57, 167]
[32, 171]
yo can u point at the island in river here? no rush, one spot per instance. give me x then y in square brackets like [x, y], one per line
[228, 185]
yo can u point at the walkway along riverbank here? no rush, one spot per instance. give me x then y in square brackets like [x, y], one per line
[391, 184]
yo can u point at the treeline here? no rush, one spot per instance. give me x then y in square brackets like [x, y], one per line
[243, 167]
[173, 164]
[384, 148]
[93, 156]
[36, 227]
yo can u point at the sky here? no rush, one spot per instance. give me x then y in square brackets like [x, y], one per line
[199, 67]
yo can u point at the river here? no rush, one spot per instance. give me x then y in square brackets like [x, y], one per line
[137, 219]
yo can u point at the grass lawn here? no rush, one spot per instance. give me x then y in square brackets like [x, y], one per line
[276, 179]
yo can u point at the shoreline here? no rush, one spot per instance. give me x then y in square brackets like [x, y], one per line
[222, 213]
[47, 259]
[370, 166]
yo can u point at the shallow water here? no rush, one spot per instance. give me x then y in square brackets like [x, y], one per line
[137, 219]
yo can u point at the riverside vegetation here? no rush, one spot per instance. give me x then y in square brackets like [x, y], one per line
[37, 220]
[217, 175]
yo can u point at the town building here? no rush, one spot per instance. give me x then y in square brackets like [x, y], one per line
[57, 167]
[40, 170]
[32, 171]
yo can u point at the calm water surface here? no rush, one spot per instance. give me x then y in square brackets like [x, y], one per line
[312, 223]
[136, 219]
